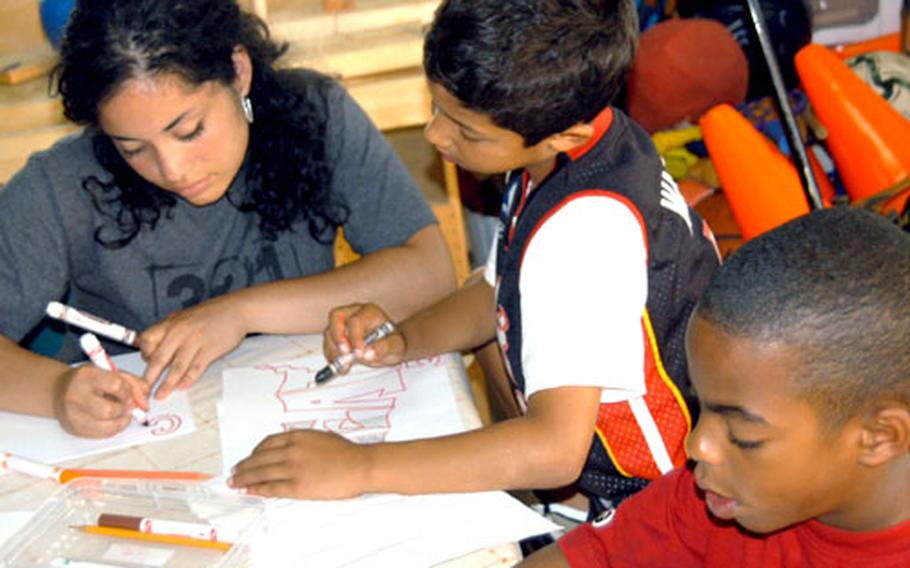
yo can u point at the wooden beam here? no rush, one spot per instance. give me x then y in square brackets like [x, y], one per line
[20, 25]
[21, 66]
[337, 5]
[260, 8]
[28, 105]
[366, 53]
[305, 22]
[365, 19]
[16, 147]
[394, 100]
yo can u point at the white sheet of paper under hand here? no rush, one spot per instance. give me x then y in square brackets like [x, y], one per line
[43, 439]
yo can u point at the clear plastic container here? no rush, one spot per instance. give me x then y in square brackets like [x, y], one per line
[54, 537]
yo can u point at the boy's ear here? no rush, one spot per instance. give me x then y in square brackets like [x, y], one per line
[243, 70]
[571, 137]
[886, 434]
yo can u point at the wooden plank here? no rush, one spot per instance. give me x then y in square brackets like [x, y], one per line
[365, 19]
[306, 20]
[356, 55]
[260, 8]
[438, 181]
[21, 66]
[394, 100]
[44, 112]
[28, 105]
[16, 147]
[337, 5]
[20, 25]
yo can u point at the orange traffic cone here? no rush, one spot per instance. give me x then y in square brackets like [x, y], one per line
[868, 139]
[761, 185]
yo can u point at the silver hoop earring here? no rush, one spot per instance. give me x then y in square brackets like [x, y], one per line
[247, 106]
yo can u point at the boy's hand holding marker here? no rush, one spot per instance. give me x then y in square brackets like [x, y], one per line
[352, 330]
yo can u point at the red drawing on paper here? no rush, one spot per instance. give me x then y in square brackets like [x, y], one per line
[359, 405]
[165, 424]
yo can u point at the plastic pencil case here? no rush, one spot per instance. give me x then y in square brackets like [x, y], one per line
[54, 536]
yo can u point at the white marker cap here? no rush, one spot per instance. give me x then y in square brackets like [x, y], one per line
[55, 309]
[89, 342]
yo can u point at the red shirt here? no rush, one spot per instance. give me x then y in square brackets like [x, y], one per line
[667, 524]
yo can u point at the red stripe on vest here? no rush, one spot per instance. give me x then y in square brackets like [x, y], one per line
[622, 437]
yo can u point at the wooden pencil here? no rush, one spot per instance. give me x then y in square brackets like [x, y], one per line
[152, 537]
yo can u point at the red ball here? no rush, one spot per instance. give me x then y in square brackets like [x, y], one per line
[682, 69]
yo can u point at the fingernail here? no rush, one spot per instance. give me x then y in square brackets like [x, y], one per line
[369, 354]
[344, 348]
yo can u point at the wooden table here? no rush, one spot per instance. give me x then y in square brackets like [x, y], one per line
[201, 450]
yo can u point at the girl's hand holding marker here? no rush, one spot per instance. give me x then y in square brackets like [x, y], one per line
[94, 403]
[100, 358]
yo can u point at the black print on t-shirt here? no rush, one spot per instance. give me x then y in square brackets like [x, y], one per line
[180, 286]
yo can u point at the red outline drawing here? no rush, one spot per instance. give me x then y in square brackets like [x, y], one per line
[364, 416]
[165, 424]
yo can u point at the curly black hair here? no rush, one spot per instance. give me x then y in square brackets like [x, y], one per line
[108, 42]
[536, 67]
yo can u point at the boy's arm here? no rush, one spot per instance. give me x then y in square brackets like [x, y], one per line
[461, 321]
[548, 557]
[545, 448]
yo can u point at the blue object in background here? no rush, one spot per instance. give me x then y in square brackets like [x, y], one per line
[54, 14]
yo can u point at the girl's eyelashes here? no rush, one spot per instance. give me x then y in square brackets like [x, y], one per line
[200, 128]
[194, 134]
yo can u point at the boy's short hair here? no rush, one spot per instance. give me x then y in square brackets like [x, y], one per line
[536, 67]
[834, 284]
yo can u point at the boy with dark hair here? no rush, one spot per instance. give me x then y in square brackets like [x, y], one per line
[800, 355]
[597, 265]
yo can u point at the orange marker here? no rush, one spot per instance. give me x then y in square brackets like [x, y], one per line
[10, 462]
[70, 474]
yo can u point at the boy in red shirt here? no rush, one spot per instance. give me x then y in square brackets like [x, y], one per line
[800, 355]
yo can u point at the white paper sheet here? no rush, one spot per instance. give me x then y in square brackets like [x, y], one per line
[43, 439]
[392, 530]
[10, 522]
[414, 400]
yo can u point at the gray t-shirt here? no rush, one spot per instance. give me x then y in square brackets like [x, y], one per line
[48, 223]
